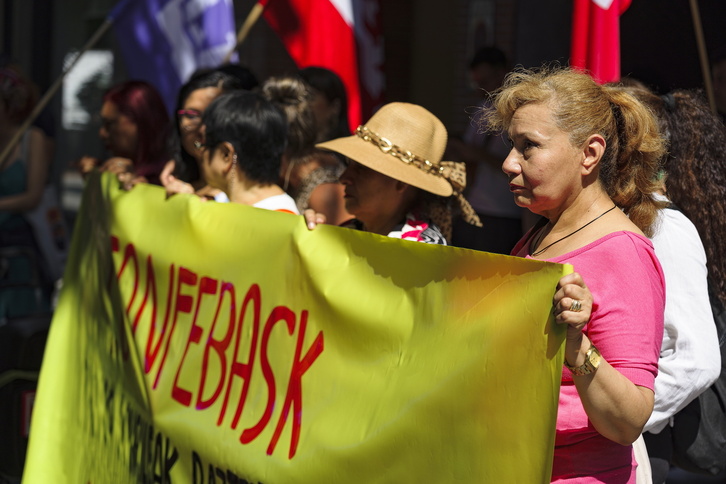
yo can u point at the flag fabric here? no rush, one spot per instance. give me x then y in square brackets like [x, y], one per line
[208, 342]
[344, 36]
[164, 41]
[596, 38]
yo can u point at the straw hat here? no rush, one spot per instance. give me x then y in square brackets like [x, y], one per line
[406, 142]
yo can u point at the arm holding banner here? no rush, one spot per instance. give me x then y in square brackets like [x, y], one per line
[603, 390]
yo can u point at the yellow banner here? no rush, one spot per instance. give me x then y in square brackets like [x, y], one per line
[203, 342]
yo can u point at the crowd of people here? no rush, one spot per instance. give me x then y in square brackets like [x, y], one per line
[623, 184]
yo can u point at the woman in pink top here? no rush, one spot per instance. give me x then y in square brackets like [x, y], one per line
[584, 157]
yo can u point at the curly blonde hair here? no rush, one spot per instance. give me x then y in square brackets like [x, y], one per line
[581, 107]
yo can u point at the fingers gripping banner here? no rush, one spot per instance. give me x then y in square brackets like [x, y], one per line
[202, 342]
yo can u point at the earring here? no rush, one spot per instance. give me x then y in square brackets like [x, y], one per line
[198, 144]
[234, 159]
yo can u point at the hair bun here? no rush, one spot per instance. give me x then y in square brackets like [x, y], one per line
[289, 91]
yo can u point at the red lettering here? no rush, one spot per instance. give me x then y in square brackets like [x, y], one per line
[206, 286]
[280, 313]
[183, 305]
[151, 353]
[219, 346]
[243, 370]
[150, 287]
[294, 387]
[130, 253]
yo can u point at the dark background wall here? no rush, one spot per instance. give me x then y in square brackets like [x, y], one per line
[428, 44]
[659, 43]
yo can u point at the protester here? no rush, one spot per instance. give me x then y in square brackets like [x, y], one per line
[483, 153]
[585, 156]
[183, 173]
[244, 138]
[309, 175]
[134, 130]
[329, 102]
[23, 175]
[697, 178]
[396, 183]
[689, 358]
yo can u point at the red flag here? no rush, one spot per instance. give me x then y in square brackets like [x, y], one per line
[596, 37]
[324, 33]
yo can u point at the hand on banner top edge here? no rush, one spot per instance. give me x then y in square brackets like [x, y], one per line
[312, 218]
[571, 290]
[172, 184]
[86, 164]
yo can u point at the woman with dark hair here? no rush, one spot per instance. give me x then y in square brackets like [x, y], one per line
[244, 138]
[689, 244]
[696, 176]
[134, 129]
[585, 158]
[182, 174]
[309, 175]
[329, 102]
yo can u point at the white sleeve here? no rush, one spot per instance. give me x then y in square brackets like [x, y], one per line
[690, 359]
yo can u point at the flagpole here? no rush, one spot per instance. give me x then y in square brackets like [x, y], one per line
[51, 91]
[244, 31]
[705, 69]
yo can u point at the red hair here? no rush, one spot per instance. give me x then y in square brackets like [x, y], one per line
[143, 105]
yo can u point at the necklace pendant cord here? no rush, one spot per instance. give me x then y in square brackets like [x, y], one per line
[535, 254]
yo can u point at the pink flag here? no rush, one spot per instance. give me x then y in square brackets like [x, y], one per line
[332, 34]
[596, 37]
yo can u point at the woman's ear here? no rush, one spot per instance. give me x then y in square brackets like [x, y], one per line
[229, 155]
[593, 152]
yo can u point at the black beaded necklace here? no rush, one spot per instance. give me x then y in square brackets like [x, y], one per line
[535, 254]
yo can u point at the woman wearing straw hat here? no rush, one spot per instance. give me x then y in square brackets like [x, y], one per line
[396, 183]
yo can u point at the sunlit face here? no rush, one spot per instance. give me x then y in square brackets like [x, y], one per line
[190, 118]
[543, 166]
[369, 195]
[118, 132]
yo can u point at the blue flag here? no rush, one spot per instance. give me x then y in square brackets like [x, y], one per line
[164, 41]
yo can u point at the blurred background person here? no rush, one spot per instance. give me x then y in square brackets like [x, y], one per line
[690, 359]
[24, 289]
[483, 154]
[134, 130]
[308, 174]
[329, 102]
[183, 173]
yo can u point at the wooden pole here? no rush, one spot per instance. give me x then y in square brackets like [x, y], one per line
[51, 92]
[705, 68]
[247, 25]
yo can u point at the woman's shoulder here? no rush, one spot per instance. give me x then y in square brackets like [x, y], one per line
[618, 244]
